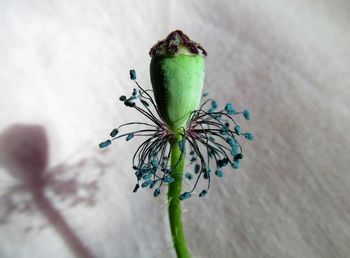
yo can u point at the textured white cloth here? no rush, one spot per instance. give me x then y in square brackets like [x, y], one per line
[63, 64]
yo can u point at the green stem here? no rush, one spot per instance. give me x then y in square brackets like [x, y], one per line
[174, 208]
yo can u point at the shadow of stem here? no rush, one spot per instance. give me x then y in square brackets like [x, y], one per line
[61, 225]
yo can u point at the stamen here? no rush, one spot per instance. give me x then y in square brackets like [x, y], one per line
[219, 173]
[189, 176]
[132, 75]
[203, 193]
[185, 196]
[209, 130]
[104, 144]
[114, 132]
[129, 137]
[246, 114]
[156, 192]
[249, 136]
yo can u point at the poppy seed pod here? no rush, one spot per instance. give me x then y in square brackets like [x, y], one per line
[177, 76]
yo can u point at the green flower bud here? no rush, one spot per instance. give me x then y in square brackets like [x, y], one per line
[177, 77]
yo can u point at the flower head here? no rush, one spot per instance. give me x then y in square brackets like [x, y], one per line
[207, 134]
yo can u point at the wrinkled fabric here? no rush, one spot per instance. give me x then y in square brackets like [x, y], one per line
[63, 66]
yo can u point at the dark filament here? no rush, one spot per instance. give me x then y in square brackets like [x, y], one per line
[210, 135]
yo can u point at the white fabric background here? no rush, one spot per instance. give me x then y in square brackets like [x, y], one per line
[63, 64]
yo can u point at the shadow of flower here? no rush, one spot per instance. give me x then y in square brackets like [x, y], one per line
[24, 155]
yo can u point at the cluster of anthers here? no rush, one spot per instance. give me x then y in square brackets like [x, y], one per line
[210, 136]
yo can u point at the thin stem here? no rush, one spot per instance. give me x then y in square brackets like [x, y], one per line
[174, 208]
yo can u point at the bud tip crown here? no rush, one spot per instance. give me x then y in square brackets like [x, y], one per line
[177, 43]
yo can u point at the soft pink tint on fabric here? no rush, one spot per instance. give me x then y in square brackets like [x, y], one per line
[63, 64]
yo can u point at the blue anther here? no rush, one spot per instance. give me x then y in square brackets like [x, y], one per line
[168, 179]
[114, 132]
[134, 92]
[192, 152]
[143, 169]
[156, 192]
[214, 104]
[222, 162]
[249, 136]
[154, 163]
[129, 103]
[234, 150]
[132, 75]
[197, 167]
[147, 176]
[185, 196]
[238, 129]
[122, 98]
[137, 186]
[188, 176]
[129, 136]
[205, 94]
[219, 173]
[229, 109]
[104, 144]
[232, 141]
[223, 130]
[146, 183]
[207, 172]
[152, 184]
[238, 157]
[193, 159]
[246, 114]
[236, 165]
[203, 193]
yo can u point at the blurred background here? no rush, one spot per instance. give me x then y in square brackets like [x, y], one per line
[63, 64]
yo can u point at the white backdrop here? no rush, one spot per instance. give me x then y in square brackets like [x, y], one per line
[63, 64]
